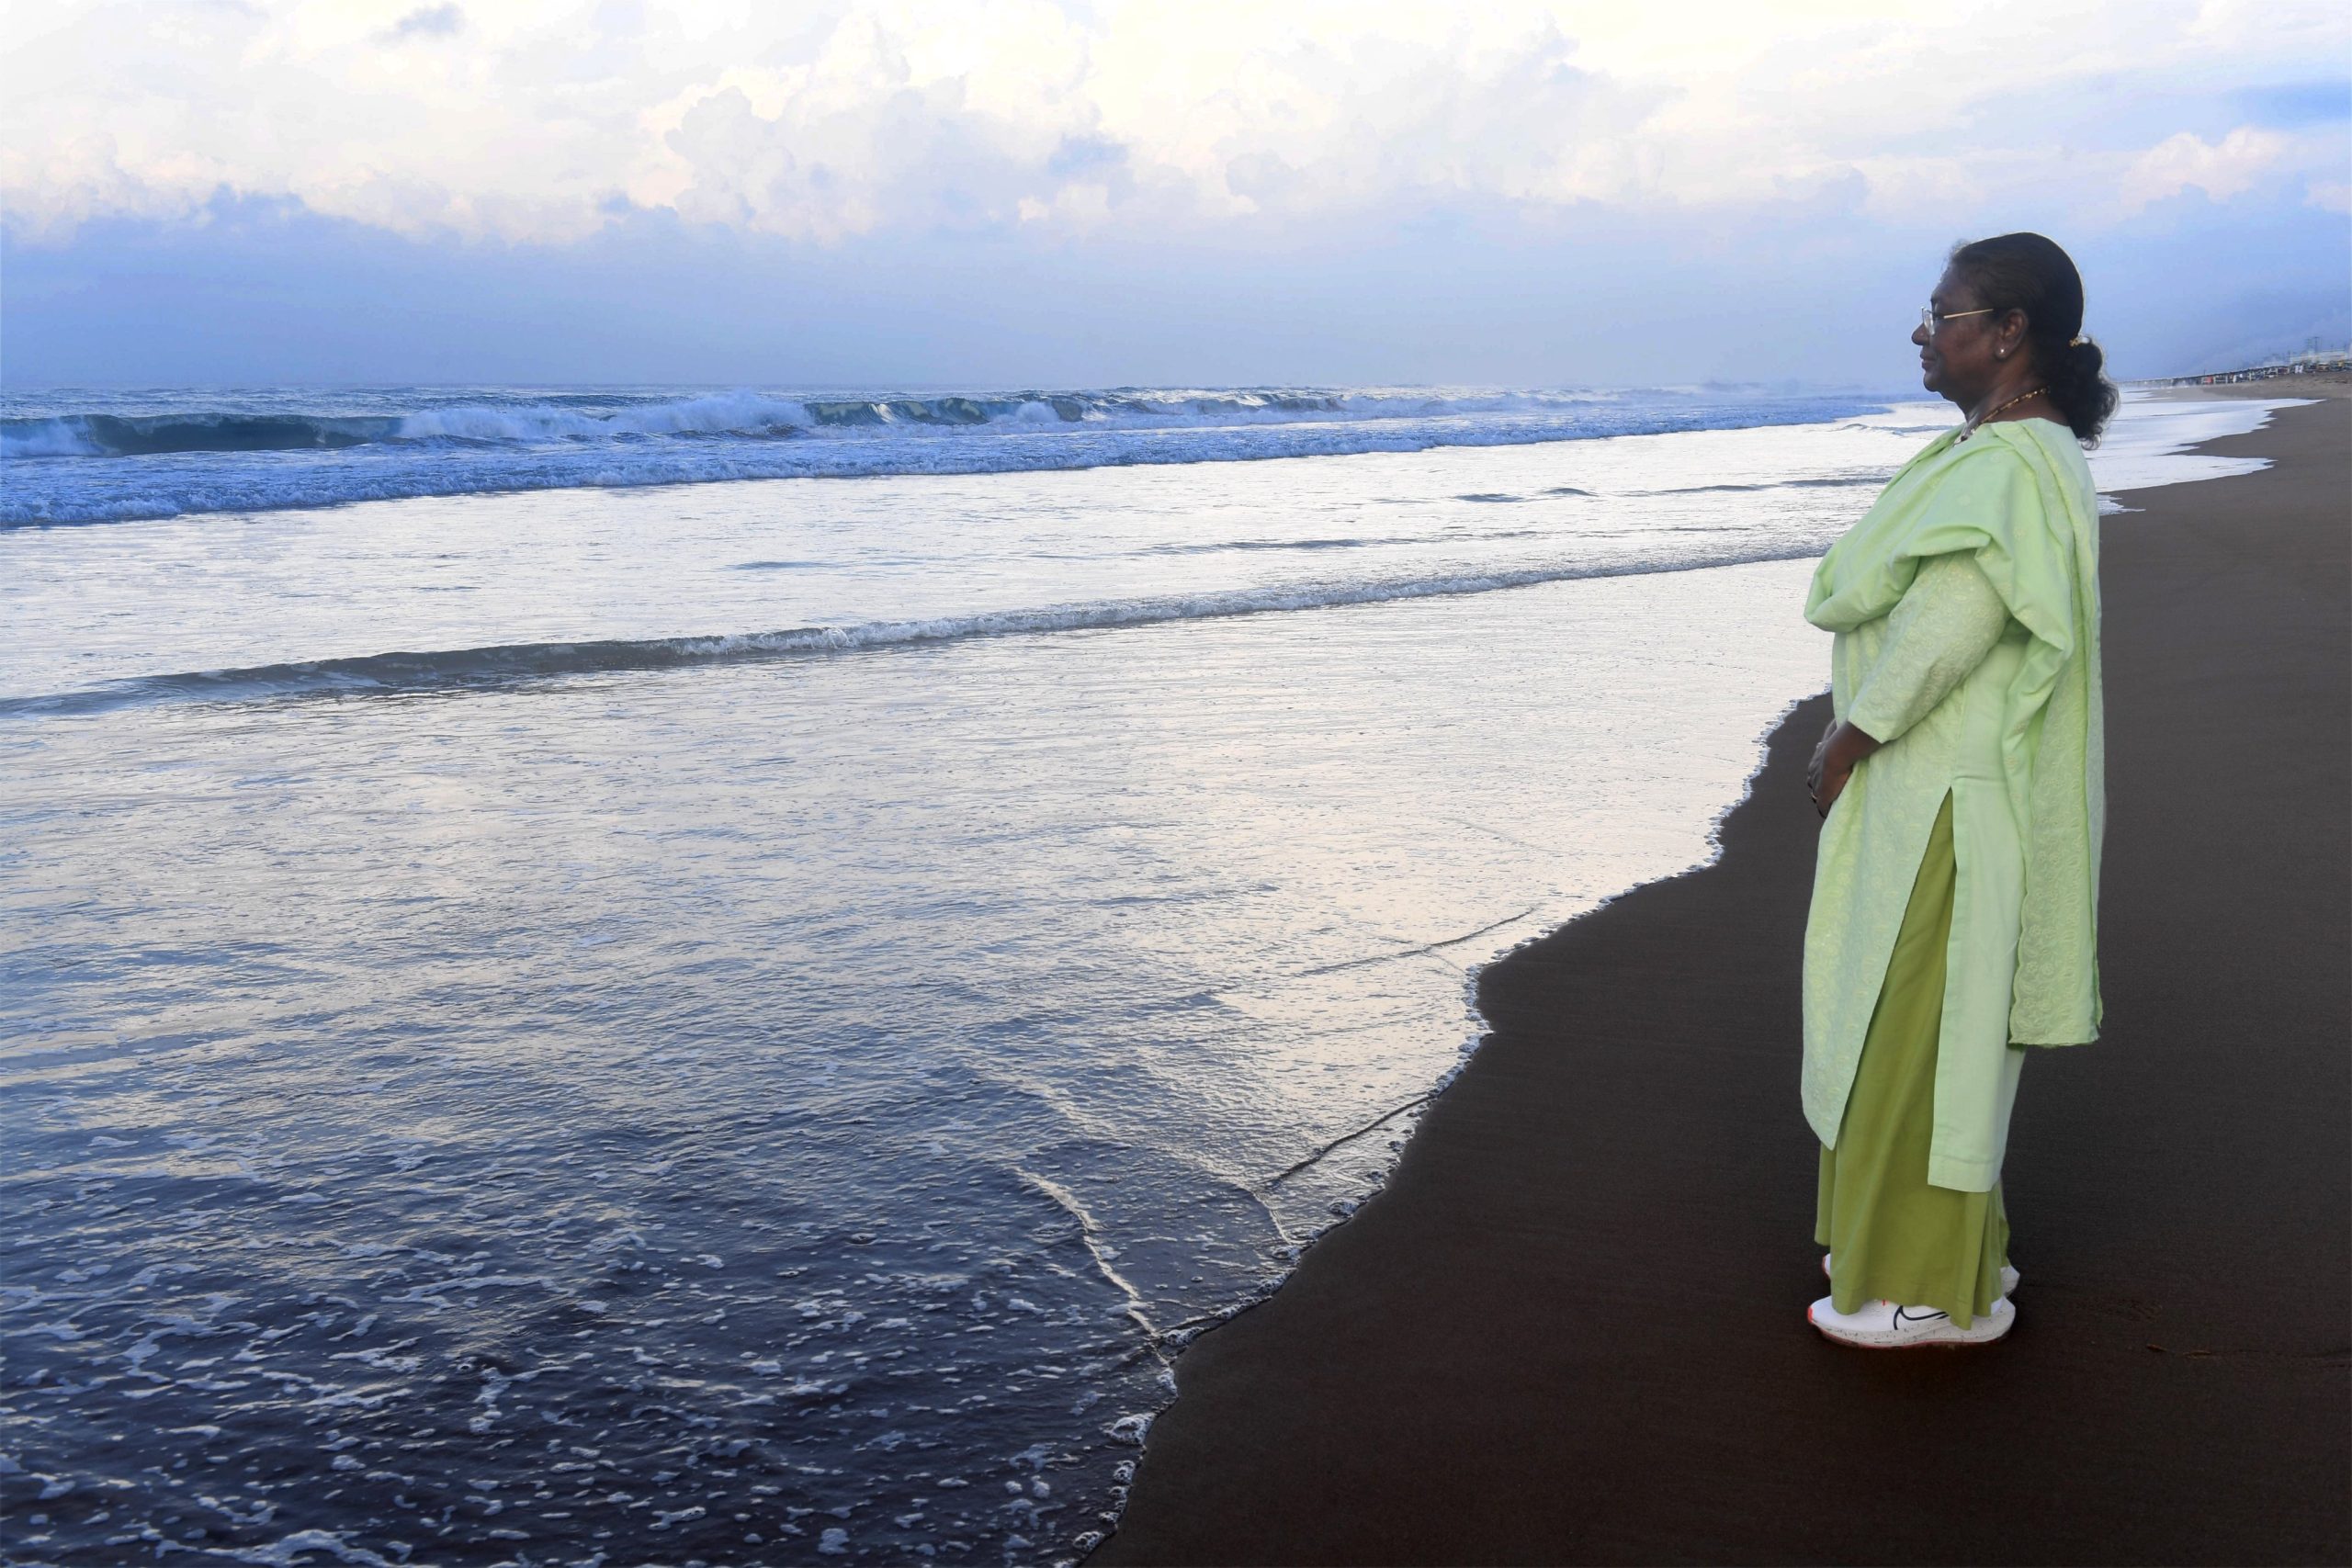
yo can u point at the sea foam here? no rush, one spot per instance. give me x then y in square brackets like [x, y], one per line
[121, 458]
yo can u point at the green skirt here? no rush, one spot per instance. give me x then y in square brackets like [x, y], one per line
[1892, 1236]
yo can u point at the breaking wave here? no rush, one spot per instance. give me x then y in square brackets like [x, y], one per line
[522, 424]
[103, 458]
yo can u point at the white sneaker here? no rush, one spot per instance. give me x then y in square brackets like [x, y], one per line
[1890, 1326]
[2008, 1275]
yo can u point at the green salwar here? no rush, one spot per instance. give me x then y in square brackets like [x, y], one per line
[1893, 1236]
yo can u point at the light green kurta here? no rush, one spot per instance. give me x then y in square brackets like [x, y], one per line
[1966, 608]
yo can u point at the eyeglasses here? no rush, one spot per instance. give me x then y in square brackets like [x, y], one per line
[1929, 320]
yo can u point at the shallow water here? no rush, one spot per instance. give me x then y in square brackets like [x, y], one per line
[789, 1103]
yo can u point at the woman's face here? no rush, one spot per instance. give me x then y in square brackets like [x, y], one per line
[1961, 359]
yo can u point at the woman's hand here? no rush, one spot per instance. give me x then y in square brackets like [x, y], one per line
[1832, 766]
[1812, 767]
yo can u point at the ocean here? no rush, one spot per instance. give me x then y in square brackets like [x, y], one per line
[600, 977]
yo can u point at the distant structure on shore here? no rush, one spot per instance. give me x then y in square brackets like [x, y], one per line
[2313, 361]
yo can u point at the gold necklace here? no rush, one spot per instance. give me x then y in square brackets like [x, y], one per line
[1969, 429]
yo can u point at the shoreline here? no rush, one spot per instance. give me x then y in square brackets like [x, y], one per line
[2322, 385]
[1569, 1327]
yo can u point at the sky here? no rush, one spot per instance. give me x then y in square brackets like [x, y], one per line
[1017, 193]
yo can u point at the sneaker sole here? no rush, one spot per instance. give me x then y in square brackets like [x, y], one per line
[1984, 1331]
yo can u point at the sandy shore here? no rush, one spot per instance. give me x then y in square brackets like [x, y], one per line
[1571, 1327]
[2329, 384]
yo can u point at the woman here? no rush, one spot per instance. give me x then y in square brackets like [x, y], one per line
[1955, 897]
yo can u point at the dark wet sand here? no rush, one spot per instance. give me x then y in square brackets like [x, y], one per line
[1571, 1328]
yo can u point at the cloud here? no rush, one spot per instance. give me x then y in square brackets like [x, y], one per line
[842, 119]
[2222, 170]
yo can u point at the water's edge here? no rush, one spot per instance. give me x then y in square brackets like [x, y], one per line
[1139, 1431]
[2206, 470]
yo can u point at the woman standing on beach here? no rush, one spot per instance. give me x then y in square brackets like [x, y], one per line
[1955, 897]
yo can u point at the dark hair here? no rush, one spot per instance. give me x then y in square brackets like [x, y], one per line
[2028, 273]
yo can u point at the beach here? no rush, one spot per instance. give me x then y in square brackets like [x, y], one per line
[1570, 1327]
[763, 1015]
[2316, 384]
[801, 992]
[1020, 784]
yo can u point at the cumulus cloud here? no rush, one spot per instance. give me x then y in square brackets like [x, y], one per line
[821, 123]
[2220, 170]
